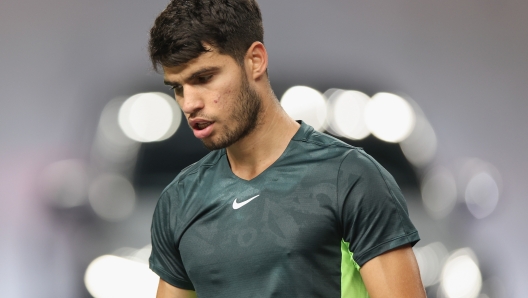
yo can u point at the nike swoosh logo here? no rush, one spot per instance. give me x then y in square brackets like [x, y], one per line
[237, 205]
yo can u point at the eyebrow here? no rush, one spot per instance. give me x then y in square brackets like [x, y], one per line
[194, 75]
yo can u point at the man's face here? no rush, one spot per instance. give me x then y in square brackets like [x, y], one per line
[216, 98]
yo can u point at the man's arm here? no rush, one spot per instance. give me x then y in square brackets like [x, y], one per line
[166, 290]
[393, 274]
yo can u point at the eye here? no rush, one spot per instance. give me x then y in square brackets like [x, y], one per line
[178, 89]
[204, 79]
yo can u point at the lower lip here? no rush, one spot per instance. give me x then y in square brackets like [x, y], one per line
[203, 133]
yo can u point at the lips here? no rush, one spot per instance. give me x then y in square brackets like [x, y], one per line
[201, 125]
[201, 128]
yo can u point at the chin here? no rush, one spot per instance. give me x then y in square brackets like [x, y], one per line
[212, 145]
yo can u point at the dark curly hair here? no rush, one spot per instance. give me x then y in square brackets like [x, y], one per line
[182, 31]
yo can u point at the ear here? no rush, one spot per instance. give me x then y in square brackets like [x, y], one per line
[256, 61]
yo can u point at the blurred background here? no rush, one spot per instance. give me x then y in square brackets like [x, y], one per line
[89, 136]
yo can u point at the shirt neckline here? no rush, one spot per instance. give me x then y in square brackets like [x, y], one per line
[303, 129]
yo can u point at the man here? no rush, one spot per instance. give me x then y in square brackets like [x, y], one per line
[276, 209]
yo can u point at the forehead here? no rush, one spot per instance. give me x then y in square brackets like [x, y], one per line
[210, 59]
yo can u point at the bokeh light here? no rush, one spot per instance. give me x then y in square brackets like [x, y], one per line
[328, 95]
[112, 150]
[113, 277]
[431, 259]
[306, 104]
[389, 117]
[482, 195]
[420, 146]
[461, 277]
[482, 183]
[109, 123]
[65, 183]
[346, 110]
[143, 254]
[112, 197]
[140, 255]
[330, 92]
[439, 192]
[149, 117]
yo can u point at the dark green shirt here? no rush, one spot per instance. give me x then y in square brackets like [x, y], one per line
[302, 228]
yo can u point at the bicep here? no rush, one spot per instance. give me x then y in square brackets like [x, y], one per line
[393, 274]
[166, 290]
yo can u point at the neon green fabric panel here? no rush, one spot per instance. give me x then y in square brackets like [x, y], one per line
[352, 285]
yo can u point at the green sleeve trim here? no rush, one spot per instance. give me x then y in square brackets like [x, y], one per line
[352, 285]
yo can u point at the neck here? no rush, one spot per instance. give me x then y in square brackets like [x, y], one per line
[257, 151]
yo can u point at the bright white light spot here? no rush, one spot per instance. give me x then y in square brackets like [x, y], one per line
[461, 277]
[482, 195]
[115, 277]
[149, 117]
[389, 117]
[439, 193]
[64, 183]
[330, 92]
[346, 114]
[420, 146]
[112, 150]
[112, 197]
[109, 124]
[430, 259]
[306, 104]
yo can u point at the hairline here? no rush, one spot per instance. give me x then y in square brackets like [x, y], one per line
[208, 48]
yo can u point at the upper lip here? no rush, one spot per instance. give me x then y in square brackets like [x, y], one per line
[196, 121]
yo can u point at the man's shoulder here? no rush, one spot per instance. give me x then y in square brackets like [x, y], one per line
[309, 135]
[189, 172]
[350, 158]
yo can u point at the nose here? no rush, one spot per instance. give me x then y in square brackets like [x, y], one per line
[190, 101]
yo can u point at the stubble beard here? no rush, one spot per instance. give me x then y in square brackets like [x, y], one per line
[246, 113]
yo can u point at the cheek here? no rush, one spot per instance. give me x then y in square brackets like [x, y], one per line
[219, 104]
[224, 98]
[217, 99]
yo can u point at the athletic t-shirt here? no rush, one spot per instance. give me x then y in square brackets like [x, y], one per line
[302, 228]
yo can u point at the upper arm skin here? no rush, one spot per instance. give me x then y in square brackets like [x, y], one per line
[393, 274]
[166, 290]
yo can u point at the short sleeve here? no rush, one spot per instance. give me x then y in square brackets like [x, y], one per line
[374, 215]
[165, 259]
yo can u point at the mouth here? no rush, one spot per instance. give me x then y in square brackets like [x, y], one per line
[201, 128]
[201, 125]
